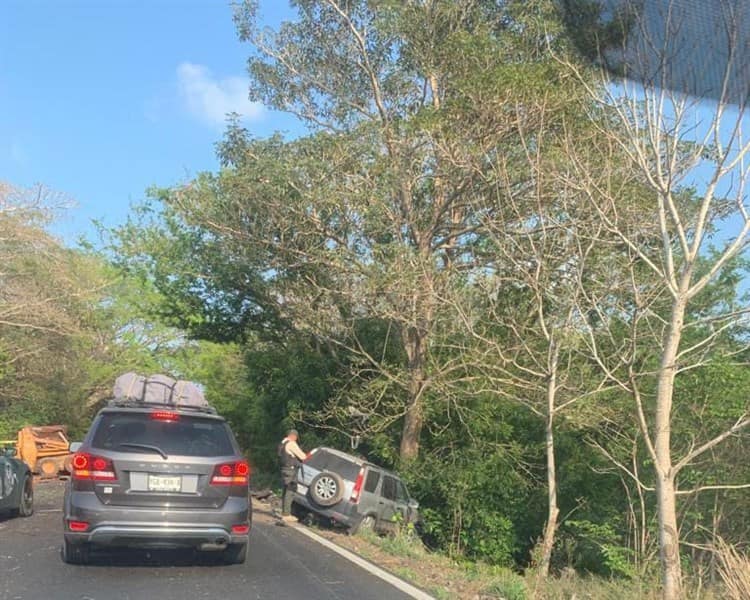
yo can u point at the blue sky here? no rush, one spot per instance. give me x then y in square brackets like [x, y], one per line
[101, 99]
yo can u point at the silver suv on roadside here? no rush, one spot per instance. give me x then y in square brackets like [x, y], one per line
[151, 476]
[352, 492]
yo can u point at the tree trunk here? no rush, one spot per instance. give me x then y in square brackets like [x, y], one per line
[669, 543]
[548, 541]
[415, 345]
[666, 498]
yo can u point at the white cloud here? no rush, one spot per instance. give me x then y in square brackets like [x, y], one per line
[210, 99]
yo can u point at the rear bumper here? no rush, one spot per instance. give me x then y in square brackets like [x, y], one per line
[154, 527]
[344, 512]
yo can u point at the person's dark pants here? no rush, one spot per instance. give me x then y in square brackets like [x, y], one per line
[287, 495]
[287, 491]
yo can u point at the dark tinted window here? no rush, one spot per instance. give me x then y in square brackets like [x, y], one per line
[371, 483]
[327, 461]
[388, 490]
[188, 436]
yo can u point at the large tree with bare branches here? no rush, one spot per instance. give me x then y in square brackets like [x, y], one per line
[684, 159]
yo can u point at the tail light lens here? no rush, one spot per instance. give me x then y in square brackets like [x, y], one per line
[358, 486]
[92, 468]
[78, 526]
[241, 529]
[237, 473]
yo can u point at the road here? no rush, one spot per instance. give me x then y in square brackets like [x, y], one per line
[282, 563]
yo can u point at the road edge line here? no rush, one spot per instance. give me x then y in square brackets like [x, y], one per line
[396, 582]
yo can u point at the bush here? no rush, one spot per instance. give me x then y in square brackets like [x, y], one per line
[509, 586]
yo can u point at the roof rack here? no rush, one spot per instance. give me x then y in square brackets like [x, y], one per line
[131, 403]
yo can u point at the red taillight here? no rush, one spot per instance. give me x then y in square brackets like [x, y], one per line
[358, 485]
[231, 474]
[93, 468]
[78, 526]
[240, 529]
[80, 461]
[165, 415]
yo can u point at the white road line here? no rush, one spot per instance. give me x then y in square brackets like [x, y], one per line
[400, 584]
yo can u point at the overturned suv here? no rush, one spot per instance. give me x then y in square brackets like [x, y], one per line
[151, 476]
[352, 492]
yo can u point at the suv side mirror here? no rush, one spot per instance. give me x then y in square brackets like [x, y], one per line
[75, 446]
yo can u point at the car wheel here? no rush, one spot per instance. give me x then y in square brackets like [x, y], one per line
[26, 509]
[75, 554]
[366, 523]
[235, 554]
[326, 489]
[26, 501]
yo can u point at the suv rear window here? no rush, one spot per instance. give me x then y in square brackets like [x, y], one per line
[188, 436]
[327, 461]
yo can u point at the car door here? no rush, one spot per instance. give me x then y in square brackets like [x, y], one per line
[8, 483]
[387, 519]
[369, 501]
[402, 502]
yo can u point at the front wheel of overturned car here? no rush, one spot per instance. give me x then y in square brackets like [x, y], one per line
[326, 489]
[75, 554]
[235, 554]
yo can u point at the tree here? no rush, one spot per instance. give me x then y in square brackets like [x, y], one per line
[694, 180]
[370, 216]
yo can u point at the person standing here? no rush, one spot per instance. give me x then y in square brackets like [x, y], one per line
[291, 457]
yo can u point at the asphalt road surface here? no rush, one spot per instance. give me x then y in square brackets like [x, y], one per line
[282, 563]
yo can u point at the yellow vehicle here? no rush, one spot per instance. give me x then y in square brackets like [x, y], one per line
[46, 450]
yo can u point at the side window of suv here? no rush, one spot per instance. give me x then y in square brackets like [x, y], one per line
[401, 495]
[388, 490]
[371, 483]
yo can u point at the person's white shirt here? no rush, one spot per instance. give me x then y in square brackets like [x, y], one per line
[292, 449]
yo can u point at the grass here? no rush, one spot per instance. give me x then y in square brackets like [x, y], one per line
[734, 570]
[446, 578]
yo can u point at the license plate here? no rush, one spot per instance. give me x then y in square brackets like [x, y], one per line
[301, 489]
[162, 483]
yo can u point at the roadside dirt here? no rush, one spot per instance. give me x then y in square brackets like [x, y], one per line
[435, 574]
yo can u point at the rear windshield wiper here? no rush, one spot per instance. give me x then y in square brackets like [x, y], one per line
[144, 447]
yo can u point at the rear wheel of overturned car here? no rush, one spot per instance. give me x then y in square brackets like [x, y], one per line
[326, 489]
[75, 554]
[235, 554]
[367, 523]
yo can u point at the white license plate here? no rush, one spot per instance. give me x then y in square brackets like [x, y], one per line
[301, 489]
[162, 483]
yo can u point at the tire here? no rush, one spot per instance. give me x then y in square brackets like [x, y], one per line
[26, 501]
[326, 489]
[235, 554]
[26, 508]
[366, 523]
[48, 468]
[75, 554]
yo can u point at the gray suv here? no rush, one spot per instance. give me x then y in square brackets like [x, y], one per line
[352, 492]
[152, 476]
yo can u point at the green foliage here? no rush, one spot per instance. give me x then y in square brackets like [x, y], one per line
[509, 586]
[598, 548]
